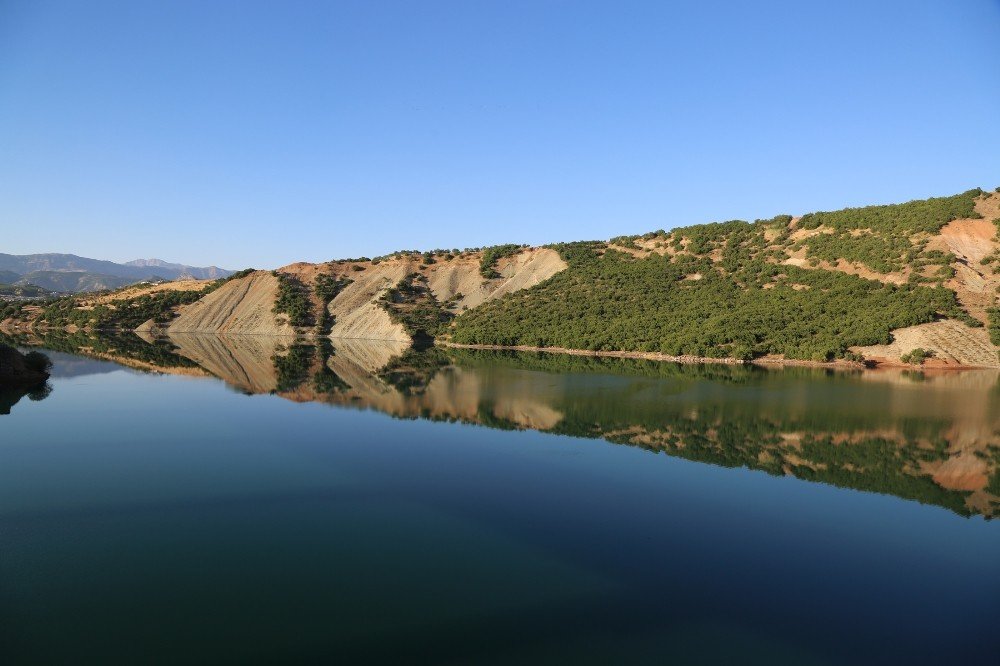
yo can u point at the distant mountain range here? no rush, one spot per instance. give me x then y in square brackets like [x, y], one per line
[71, 273]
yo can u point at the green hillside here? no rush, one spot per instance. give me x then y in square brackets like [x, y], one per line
[74, 281]
[725, 290]
[23, 291]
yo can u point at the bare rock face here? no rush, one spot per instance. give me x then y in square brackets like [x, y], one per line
[245, 306]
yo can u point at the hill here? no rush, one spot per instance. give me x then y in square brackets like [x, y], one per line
[22, 291]
[916, 282]
[74, 281]
[180, 271]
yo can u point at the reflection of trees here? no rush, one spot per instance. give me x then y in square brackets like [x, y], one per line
[292, 366]
[40, 392]
[117, 345]
[412, 371]
[11, 395]
[880, 432]
[22, 375]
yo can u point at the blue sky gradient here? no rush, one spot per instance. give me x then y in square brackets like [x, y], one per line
[261, 133]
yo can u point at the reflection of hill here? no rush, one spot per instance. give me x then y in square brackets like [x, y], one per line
[931, 438]
[242, 361]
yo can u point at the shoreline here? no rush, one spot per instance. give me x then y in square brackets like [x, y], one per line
[764, 361]
[665, 358]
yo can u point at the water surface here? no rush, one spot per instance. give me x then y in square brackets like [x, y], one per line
[239, 500]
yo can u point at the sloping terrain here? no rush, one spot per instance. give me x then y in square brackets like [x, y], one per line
[821, 287]
[951, 343]
[359, 310]
[918, 280]
[242, 306]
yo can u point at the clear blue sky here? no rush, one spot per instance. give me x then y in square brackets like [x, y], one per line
[260, 133]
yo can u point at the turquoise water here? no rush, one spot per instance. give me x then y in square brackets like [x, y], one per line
[484, 508]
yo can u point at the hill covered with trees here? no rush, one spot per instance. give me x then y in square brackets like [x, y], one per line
[803, 288]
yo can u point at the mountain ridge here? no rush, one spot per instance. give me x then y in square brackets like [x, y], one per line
[95, 274]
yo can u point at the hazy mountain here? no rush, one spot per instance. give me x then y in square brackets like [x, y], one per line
[180, 270]
[75, 281]
[69, 272]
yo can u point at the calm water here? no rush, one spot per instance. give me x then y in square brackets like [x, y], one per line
[248, 503]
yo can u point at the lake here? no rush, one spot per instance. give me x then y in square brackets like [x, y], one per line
[251, 500]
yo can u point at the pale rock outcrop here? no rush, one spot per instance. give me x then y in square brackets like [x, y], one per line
[242, 306]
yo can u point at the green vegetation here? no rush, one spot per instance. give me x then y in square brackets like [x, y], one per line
[124, 346]
[412, 304]
[293, 300]
[23, 291]
[327, 287]
[11, 310]
[326, 381]
[117, 314]
[743, 306]
[994, 317]
[604, 365]
[916, 356]
[414, 369]
[625, 241]
[292, 368]
[881, 237]
[488, 262]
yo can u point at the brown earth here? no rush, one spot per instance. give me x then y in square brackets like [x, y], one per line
[952, 342]
[244, 306]
[521, 271]
[144, 290]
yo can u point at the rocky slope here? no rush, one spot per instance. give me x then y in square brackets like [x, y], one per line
[244, 305]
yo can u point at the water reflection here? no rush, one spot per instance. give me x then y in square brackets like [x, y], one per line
[11, 395]
[930, 438]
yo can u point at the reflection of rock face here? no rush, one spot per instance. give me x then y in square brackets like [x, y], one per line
[962, 472]
[527, 413]
[237, 307]
[242, 361]
[367, 356]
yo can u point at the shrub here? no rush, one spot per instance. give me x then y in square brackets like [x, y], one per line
[412, 304]
[487, 264]
[916, 356]
[293, 300]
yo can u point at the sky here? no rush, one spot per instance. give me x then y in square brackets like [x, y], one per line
[260, 133]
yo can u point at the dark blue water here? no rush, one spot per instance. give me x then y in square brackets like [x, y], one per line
[169, 519]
